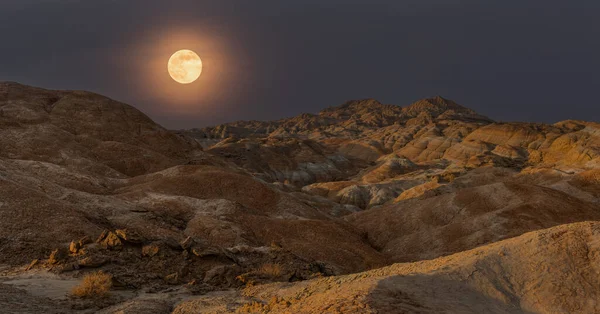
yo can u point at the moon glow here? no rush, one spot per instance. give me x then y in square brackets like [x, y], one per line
[184, 66]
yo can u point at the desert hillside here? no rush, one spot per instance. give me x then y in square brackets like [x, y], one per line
[549, 271]
[360, 208]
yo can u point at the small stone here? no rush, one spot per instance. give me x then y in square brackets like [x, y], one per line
[74, 247]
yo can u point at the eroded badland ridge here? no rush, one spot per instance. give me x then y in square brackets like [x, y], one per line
[301, 215]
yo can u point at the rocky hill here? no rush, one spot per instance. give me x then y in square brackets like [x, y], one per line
[300, 215]
[340, 141]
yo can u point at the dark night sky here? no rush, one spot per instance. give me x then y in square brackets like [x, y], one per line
[513, 60]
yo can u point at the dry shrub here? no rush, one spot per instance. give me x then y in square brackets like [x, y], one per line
[270, 269]
[93, 285]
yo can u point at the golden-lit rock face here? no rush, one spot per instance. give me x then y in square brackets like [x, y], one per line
[185, 66]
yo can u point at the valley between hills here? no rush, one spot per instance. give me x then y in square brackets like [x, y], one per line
[361, 208]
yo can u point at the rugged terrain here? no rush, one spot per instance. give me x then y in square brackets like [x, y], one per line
[361, 208]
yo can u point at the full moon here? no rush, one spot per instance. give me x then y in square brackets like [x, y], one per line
[185, 66]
